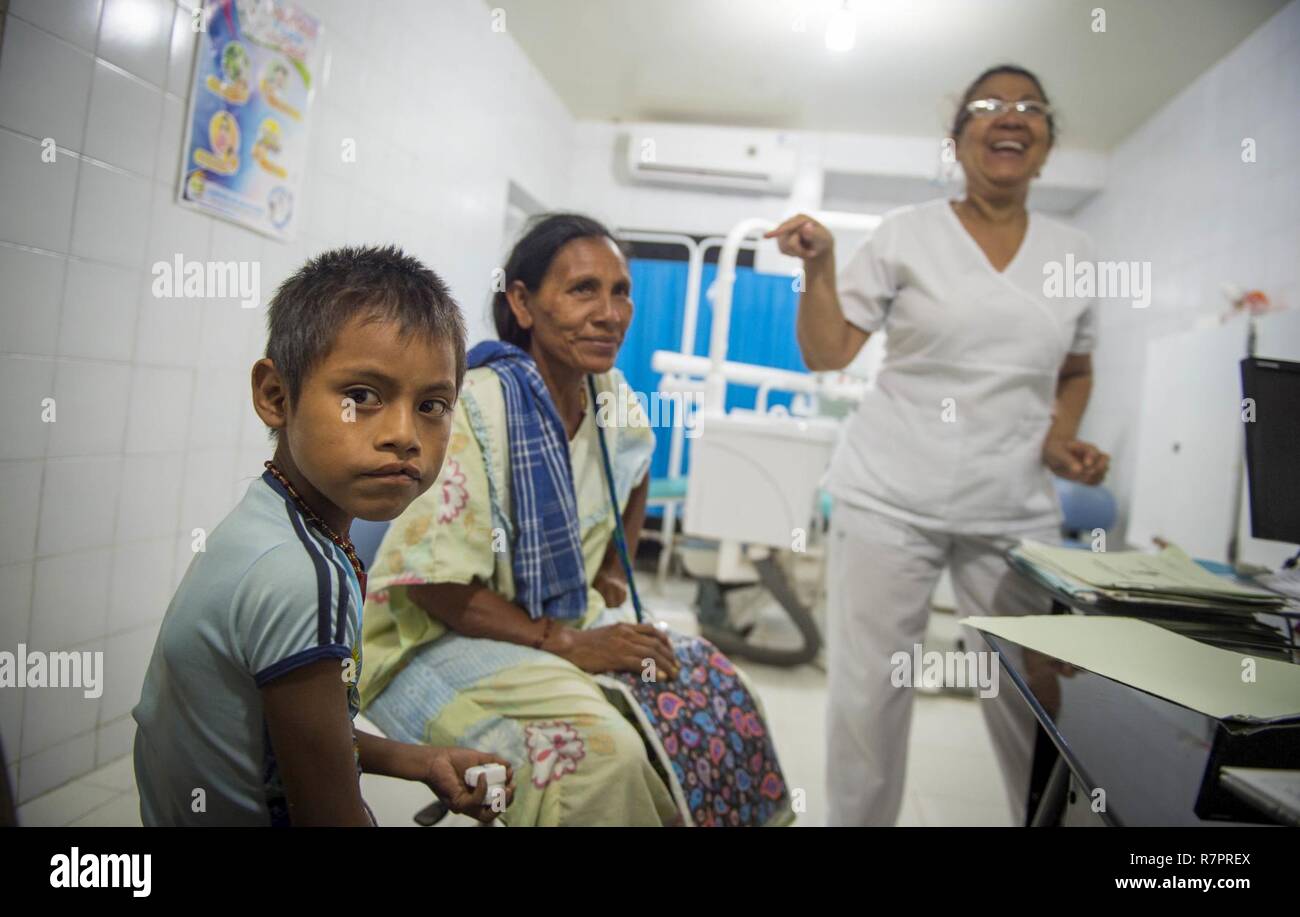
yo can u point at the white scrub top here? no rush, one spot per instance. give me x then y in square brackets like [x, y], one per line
[951, 437]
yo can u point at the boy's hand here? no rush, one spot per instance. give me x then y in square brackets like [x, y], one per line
[444, 773]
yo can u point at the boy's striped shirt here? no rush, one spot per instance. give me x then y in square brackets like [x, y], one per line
[269, 594]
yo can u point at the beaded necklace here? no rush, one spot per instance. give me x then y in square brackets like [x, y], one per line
[344, 544]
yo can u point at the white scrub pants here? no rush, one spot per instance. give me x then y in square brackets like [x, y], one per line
[881, 572]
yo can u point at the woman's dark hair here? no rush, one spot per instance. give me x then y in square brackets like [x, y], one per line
[531, 258]
[962, 115]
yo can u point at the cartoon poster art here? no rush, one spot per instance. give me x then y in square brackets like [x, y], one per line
[222, 156]
[255, 73]
[233, 86]
[274, 82]
[268, 148]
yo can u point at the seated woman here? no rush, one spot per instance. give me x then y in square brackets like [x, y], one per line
[496, 619]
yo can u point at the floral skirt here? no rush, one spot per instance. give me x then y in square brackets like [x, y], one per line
[706, 729]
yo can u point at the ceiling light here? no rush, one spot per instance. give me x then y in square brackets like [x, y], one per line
[841, 29]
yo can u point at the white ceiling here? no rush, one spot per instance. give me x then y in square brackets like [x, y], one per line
[743, 62]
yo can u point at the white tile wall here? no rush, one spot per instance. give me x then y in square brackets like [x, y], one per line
[36, 197]
[70, 600]
[20, 492]
[89, 416]
[41, 771]
[47, 83]
[1179, 195]
[29, 300]
[154, 435]
[135, 35]
[123, 125]
[75, 21]
[78, 504]
[15, 581]
[29, 380]
[99, 310]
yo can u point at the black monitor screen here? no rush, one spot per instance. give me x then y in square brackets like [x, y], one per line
[1272, 415]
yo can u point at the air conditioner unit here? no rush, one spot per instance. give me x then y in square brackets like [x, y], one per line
[735, 160]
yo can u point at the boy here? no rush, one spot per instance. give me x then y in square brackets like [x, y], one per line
[246, 713]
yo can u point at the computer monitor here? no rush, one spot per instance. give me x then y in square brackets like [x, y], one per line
[1272, 422]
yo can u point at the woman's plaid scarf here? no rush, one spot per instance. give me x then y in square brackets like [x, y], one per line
[546, 557]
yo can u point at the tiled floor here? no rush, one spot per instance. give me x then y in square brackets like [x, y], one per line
[952, 777]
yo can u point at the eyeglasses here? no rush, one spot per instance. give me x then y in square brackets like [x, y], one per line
[987, 108]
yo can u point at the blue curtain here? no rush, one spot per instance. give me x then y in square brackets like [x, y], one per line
[762, 331]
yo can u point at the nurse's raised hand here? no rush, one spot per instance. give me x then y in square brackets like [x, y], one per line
[1075, 460]
[827, 340]
[802, 237]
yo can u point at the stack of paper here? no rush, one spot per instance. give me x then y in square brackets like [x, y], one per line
[1167, 578]
[1285, 581]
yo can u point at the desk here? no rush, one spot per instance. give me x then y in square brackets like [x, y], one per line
[1150, 756]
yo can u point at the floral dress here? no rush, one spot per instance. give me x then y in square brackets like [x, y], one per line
[578, 759]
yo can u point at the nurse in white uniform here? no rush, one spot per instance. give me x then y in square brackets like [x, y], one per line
[948, 461]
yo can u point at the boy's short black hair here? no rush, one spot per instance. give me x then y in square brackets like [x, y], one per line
[310, 307]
